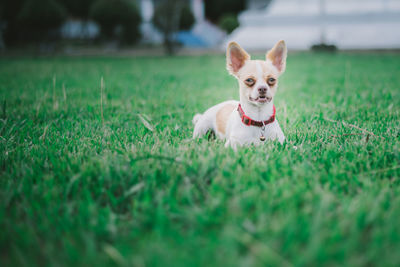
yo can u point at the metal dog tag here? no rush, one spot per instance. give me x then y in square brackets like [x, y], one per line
[262, 137]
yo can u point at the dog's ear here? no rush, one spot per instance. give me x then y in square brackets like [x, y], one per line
[235, 58]
[277, 55]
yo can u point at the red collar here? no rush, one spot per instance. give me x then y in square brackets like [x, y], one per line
[248, 121]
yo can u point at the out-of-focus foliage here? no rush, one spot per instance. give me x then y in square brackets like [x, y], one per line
[215, 9]
[40, 19]
[78, 8]
[117, 19]
[171, 16]
[228, 22]
[15, 16]
[186, 19]
[42, 14]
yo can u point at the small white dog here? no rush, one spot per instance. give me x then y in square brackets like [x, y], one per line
[252, 119]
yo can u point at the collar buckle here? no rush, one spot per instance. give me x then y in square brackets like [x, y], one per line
[246, 120]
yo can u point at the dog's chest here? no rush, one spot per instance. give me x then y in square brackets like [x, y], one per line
[253, 134]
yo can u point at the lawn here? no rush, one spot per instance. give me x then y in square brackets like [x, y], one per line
[110, 176]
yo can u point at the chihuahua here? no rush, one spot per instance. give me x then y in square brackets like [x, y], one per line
[252, 119]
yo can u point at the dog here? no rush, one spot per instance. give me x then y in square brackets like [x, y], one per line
[250, 121]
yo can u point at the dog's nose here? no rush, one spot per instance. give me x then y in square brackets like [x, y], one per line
[262, 89]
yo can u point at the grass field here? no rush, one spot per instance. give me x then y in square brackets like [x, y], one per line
[132, 188]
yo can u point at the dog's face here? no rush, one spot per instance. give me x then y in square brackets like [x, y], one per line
[258, 79]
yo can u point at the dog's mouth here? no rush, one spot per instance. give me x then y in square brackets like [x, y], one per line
[261, 99]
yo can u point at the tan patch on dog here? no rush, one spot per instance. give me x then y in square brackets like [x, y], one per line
[223, 115]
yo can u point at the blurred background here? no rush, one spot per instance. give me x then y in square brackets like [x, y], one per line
[95, 26]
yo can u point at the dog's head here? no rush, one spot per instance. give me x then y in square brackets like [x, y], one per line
[258, 79]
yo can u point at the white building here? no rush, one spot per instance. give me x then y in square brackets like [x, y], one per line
[348, 24]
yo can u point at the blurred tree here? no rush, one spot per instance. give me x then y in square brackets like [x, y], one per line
[117, 19]
[228, 22]
[186, 19]
[78, 8]
[215, 9]
[10, 8]
[39, 20]
[2, 26]
[171, 16]
[17, 27]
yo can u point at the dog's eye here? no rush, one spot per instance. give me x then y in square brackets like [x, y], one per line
[250, 82]
[271, 81]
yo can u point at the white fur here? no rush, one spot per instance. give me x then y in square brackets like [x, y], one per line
[208, 120]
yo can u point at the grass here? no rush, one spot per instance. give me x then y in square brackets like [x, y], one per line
[123, 184]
